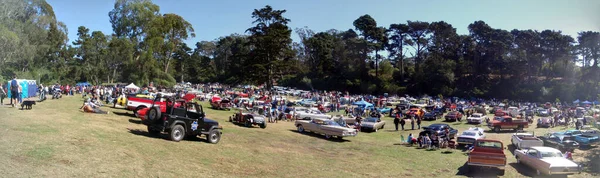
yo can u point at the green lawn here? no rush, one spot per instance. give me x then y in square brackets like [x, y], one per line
[56, 140]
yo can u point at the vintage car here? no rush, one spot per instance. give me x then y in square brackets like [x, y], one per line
[525, 140]
[220, 103]
[560, 142]
[439, 128]
[311, 113]
[477, 118]
[544, 122]
[487, 154]
[453, 116]
[416, 112]
[468, 137]
[507, 122]
[431, 116]
[327, 127]
[583, 137]
[372, 124]
[249, 119]
[546, 160]
[384, 110]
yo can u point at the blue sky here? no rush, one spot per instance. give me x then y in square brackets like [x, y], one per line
[212, 19]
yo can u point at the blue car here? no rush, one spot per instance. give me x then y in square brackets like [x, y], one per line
[584, 138]
[384, 110]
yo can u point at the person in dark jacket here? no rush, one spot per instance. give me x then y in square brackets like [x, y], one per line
[397, 121]
[402, 122]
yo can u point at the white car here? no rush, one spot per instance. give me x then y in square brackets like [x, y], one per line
[546, 160]
[468, 137]
[477, 118]
[311, 114]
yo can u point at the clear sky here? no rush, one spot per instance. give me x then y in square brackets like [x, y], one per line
[212, 19]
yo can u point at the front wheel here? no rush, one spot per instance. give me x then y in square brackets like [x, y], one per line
[327, 136]
[263, 125]
[300, 128]
[214, 136]
[497, 129]
[177, 133]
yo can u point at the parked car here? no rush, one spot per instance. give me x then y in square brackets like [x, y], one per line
[371, 124]
[507, 122]
[547, 161]
[327, 127]
[453, 116]
[525, 140]
[487, 154]
[431, 116]
[583, 137]
[311, 114]
[439, 128]
[220, 103]
[560, 142]
[249, 119]
[477, 118]
[180, 119]
[468, 137]
[544, 122]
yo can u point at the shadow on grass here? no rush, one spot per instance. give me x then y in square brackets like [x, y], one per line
[146, 134]
[523, 170]
[321, 136]
[469, 171]
[124, 114]
[135, 121]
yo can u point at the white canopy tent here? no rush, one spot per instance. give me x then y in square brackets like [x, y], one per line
[132, 86]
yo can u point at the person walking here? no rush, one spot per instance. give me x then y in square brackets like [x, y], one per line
[412, 123]
[396, 121]
[14, 91]
[402, 122]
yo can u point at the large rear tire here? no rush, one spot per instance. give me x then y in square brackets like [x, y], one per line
[177, 133]
[153, 114]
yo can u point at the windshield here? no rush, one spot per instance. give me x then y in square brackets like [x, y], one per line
[468, 133]
[332, 123]
[576, 132]
[489, 144]
[476, 115]
[372, 119]
[551, 154]
[435, 127]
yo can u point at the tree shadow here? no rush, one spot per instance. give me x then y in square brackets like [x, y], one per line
[321, 136]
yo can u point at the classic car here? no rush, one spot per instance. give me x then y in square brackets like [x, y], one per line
[416, 112]
[453, 116]
[249, 119]
[525, 140]
[560, 142]
[546, 160]
[468, 137]
[384, 110]
[306, 102]
[507, 122]
[487, 154]
[220, 103]
[311, 114]
[372, 124]
[477, 118]
[583, 137]
[544, 122]
[439, 128]
[327, 127]
[430, 116]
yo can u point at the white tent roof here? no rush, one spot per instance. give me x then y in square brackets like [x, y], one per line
[132, 86]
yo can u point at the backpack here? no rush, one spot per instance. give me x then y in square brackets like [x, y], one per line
[14, 86]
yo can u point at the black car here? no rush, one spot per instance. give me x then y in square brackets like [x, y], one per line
[431, 116]
[439, 128]
[560, 142]
[181, 119]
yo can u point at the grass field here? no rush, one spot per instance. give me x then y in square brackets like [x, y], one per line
[56, 140]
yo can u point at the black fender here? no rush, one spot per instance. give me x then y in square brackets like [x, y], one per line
[213, 128]
[179, 122]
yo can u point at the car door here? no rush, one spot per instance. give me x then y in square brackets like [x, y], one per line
[529, 158]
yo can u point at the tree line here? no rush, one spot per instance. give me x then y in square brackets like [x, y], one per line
[412, 57]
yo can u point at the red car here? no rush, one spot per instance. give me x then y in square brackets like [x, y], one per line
[141, 113]
[453, 116]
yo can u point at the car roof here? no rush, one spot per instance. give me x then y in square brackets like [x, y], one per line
[545, 149]
[438, 125]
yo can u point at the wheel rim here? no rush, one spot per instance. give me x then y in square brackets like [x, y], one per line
[151, 115]
[300, 129]
[214, 137]
[327, 136]
[177, 134]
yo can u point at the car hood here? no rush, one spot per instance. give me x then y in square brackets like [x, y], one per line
[559, 162]
[210, 121]
[473, 137]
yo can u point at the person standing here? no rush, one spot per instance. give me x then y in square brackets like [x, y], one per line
[397, 121]
[14, 91]
[2, 95]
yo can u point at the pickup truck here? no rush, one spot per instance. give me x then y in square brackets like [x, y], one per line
[525, 140]
[487, 154]
[507, 122]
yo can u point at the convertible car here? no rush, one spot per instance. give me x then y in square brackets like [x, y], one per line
[327, 127]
